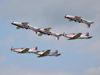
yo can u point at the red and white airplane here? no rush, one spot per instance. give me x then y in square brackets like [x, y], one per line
[48, 32]
[77, 36]
[78, 19]
[26, 50]
[25, 25]
[48, 53]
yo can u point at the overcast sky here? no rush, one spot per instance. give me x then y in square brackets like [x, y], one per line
[78, 57]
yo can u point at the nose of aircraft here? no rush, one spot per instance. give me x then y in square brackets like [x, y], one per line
[11, 49]
[12, 23]
[65, 16]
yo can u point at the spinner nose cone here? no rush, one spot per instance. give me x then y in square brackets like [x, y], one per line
[65, 16]
[12, 23]
[11, 49]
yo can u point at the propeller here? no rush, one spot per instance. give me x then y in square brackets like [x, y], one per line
[65, 16]
[12, 22]
[11, 48]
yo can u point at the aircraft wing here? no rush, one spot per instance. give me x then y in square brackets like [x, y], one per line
[24, 51]
[47, 29]
[70, 20]
[45, 53]
[58, 54]
[25, 23]
[38, 29]
[40, 34]
[18, 27]
[76, 36]
[77, 17]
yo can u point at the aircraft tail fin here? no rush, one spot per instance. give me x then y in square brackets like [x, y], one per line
[35, 48]
[57, 38]
[56, 51]
[87, 34]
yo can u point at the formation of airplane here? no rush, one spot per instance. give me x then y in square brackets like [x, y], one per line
[78, 19]
[47, 31]
[40, 53]
[77, 36]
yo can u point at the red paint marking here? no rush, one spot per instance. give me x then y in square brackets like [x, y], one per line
[56, 51]
[11, 49]
[57, 38]
[76, 16]
[45, 28]
[35, 48]
[12, 23]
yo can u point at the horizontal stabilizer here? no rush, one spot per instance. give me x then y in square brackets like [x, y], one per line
[58, 54]
[91, 22]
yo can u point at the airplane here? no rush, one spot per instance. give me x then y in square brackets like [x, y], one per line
[25, 25]
[78, 19]
[47, 53]
[48, 32]
[76, 36]
[21, 25]
[26, 50]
